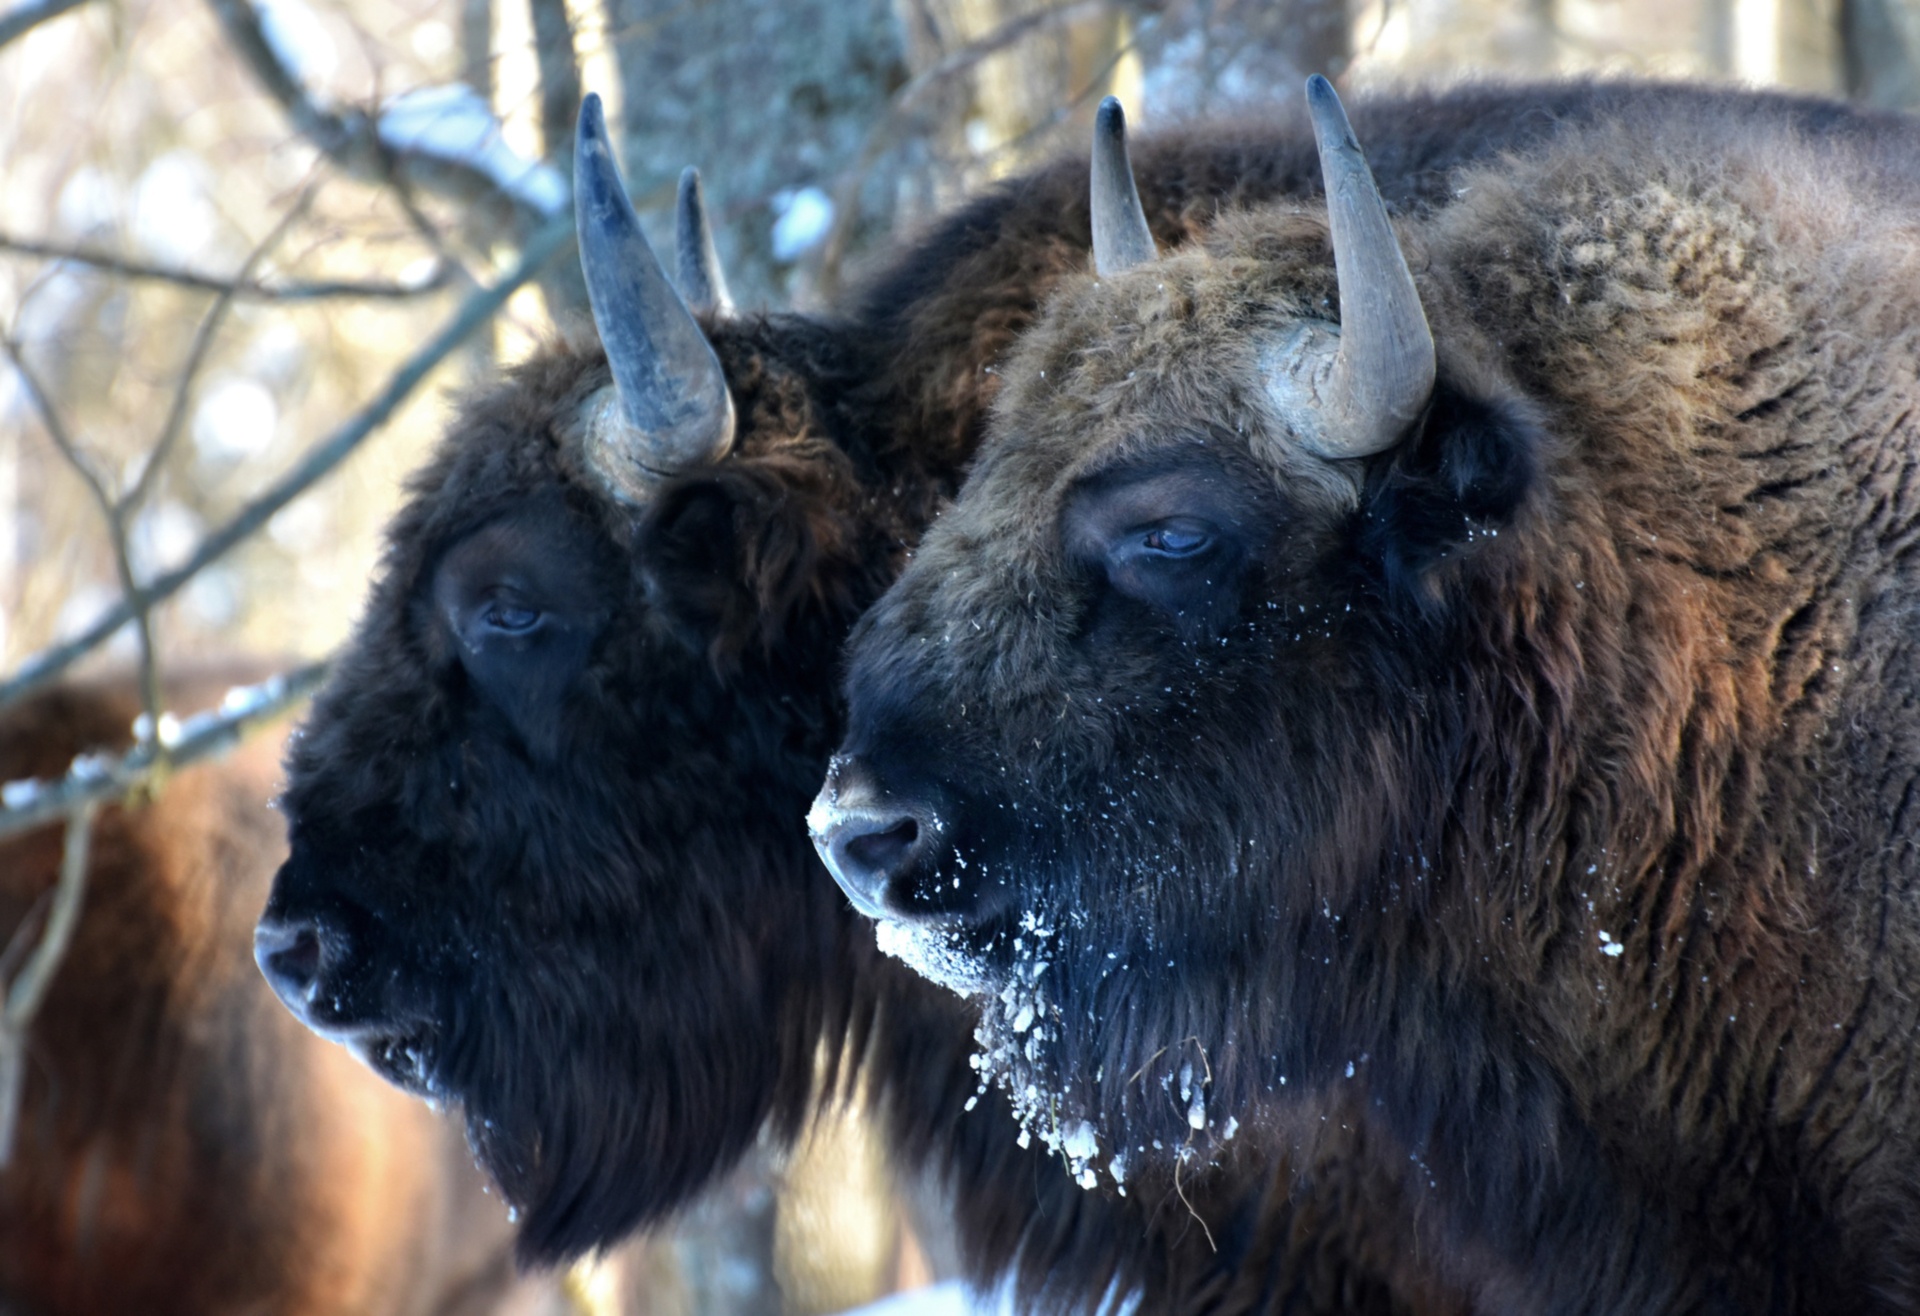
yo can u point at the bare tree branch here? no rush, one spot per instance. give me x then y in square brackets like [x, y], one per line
[320, 459]
[23, 18]
[351, 138]
[258, 290]
[96, 779]
[20, 1001]
[92, 781]
[118, 510]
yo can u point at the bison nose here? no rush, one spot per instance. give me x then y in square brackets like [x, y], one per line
[291, 957]
[872, 847]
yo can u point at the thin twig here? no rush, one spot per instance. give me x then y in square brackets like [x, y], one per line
[197, 354]
[127, 506]
[111, 510]
[320, 459]
[23, 18]
[119, 509]
[98, 779]
[20, 1000]
[254, 290]
[56, 428]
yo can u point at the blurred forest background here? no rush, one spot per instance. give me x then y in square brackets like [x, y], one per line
[242, 242]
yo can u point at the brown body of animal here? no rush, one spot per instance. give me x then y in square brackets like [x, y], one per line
[184, 1145]
[1518, 761]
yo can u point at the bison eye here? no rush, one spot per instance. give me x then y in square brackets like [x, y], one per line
[510, 618]
[1177, 540]
[1173, 532]
[522, 601]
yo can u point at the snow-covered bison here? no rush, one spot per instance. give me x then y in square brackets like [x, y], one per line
[185, 1147]
[1460, 674]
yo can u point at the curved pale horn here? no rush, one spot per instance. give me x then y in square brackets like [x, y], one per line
[1121, 238]
[669, 407]
[702, 281]
[1383, 375]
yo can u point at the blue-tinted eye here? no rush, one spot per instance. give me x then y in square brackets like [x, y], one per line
[510, 617]
[1172, 541]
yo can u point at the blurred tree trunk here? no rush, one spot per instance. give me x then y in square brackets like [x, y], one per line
[1880, 47]
[561, 283]
[1790, 43]
[768, 98]
[476, 46]
[1017, 78]
[1808, 46]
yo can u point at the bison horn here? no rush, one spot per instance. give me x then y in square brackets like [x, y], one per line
[702, 282]
[1121, 238]
[1381, 375]
[668, 408]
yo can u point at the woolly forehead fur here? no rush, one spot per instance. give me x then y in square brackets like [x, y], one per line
[1605, 256]
[1170, 351]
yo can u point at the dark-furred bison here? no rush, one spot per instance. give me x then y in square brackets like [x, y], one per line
[547, 852]
[184, 1145]
[1474, 692]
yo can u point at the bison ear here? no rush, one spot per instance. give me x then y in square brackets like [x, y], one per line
[1465, 476]
[734, 561]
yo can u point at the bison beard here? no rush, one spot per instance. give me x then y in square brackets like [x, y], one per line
[1534, 794]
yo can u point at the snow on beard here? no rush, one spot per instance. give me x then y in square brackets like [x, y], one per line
[1020, 1047]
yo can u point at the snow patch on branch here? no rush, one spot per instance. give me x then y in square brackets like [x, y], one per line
[805, 217]
[455, 124]
[298, 40]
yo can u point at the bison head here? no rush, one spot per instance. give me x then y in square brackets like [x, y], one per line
[1474, 702]
[545, 861]
[1178, 634]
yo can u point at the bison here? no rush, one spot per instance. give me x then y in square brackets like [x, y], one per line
[546, 853]
[1457, 676]
[184, 1145]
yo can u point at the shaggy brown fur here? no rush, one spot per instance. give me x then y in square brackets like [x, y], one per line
[559, 875]
[185, 1146]
[1539, 792]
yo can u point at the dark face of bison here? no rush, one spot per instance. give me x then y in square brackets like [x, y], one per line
[1235, 750]
[546, 859]
[1166, 638]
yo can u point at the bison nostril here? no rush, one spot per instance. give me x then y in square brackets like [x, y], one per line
[872, 855]
[885, 851]
[290, 957]
[872, 840]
